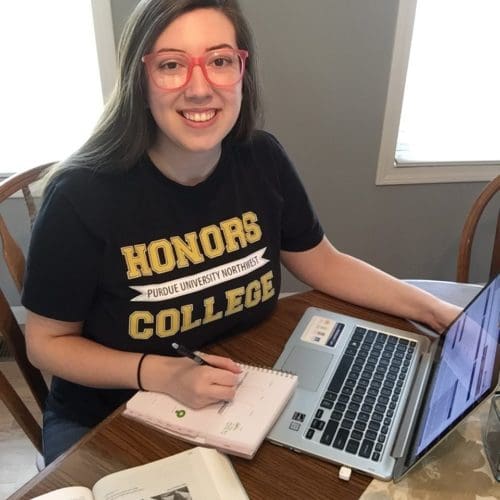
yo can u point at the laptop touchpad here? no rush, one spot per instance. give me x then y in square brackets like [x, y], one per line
[310, 365]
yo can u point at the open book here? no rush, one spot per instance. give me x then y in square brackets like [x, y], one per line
[237, 427]
[195, 474]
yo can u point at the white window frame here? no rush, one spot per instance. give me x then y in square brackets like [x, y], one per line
[105, 42]
[106, 56]
[388, 173]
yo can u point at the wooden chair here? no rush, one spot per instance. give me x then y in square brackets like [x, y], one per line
[469, 229]
[10, 329]
[22, 414]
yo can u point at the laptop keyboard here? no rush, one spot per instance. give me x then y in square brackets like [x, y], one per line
[357, 409]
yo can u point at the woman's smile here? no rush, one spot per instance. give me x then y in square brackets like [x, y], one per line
[199, 117]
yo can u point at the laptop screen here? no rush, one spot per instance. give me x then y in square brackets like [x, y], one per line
[465, 370]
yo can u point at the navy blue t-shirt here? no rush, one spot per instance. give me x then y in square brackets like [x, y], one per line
[144, 261]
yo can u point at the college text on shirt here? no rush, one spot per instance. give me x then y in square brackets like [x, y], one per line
[177, 252]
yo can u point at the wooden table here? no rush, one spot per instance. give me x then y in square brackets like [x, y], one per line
[274, 472]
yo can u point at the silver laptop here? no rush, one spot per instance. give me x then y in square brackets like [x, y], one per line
[376, 398]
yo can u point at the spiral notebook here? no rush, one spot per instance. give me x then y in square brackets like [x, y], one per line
[237, 427]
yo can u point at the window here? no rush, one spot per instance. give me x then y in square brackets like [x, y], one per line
[58, 60]
[442, 121]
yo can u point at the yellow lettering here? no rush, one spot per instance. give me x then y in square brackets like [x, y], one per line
[267, 286]
[233, 230]
[211, 241]
[187, 318]
[234, 300]
[209, 316]
[252, 294]
[161, 256]
[167, 322]
[136, 322]
[136, 260]
[187, 250]
[252, 230]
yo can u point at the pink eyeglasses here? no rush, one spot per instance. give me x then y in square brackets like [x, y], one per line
[172, 70]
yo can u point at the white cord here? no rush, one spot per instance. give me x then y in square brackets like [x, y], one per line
[345, 473]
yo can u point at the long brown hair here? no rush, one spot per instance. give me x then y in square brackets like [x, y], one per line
[126, 128]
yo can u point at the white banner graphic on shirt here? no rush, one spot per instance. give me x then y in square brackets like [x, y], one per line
[200, 281]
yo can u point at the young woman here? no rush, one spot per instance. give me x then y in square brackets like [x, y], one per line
[169, 225]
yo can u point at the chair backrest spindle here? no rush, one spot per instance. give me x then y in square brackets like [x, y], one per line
[469, 230]
[10, 329]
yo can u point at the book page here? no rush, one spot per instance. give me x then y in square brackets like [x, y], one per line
[184, 476]
[69, 493]
[254, 409]
[228, 483]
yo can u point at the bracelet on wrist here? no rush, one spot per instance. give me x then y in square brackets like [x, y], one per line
[139, 383]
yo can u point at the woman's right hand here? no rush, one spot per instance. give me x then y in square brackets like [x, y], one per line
[189, 383]
[59, 348]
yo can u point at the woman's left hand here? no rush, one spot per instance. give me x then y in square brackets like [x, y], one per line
[443, 315]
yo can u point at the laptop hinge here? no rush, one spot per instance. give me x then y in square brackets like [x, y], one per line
[408, 421]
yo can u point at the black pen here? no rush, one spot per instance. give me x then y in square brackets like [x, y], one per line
[184, 351]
